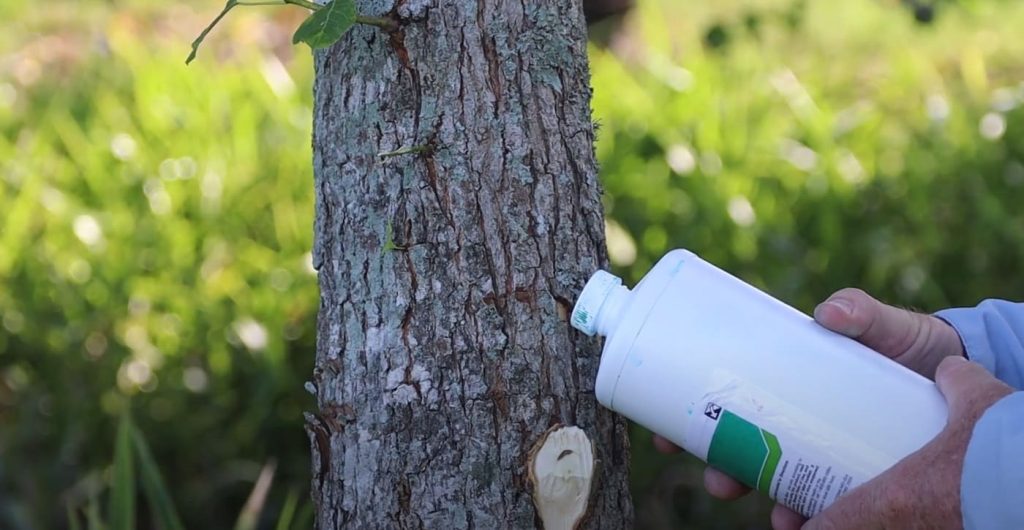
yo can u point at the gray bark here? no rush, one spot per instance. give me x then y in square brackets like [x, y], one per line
[447, 274]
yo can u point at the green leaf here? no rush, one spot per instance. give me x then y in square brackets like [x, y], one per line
[284, 520]
[73, 523]
[327, 24]
[199, 40]
[305, 517]
[92, 514]
[153, 484]
[122, 494]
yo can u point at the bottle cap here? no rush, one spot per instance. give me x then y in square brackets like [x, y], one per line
[588, 305]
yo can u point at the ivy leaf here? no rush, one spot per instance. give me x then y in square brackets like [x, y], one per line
[199, 40]
[327, 24]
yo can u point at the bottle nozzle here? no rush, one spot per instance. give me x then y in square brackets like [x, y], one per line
[588, 305]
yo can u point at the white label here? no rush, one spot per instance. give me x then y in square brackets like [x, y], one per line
[789, 470]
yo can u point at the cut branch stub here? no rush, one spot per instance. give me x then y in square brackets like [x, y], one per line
[562, 468]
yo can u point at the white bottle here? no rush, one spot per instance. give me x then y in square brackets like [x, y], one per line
[751, 385]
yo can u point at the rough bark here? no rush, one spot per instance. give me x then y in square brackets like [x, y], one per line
[447, 273]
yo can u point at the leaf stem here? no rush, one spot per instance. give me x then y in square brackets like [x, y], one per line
[384, 23]
[262, 3]
[199, 40]
[387, 24]
[304, 3]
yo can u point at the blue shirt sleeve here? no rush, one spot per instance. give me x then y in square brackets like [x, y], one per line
[993, 336]
[993, 474]
[993, 471]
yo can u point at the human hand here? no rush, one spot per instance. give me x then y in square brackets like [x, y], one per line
[917, 341]
[922, 491]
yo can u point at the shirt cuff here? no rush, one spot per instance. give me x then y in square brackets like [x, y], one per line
[993, 471]
[970, 325]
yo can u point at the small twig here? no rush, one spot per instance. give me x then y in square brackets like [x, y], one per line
[301, 3]
[385, 23]
[304, 3]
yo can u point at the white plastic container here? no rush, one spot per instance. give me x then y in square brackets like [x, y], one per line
[752, 386]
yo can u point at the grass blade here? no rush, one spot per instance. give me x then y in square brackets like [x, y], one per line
[305, 517]
[199, 40]
[250, 515]
[92, 514]
[153, 484]
[284, 521]
[73, 523]
[122, 494]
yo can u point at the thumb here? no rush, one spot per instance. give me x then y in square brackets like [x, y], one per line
[888, 330]
[914, 340]
[968, 388]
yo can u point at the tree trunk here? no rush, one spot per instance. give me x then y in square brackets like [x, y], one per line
[448, 269]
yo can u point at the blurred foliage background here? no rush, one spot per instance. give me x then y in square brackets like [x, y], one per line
[156, 219]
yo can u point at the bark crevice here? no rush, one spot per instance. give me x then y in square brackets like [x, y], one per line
[444, 353]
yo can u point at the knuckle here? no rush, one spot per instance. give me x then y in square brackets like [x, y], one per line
[912, 335]
[954, 368]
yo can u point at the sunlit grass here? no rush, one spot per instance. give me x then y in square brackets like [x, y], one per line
[156, 228]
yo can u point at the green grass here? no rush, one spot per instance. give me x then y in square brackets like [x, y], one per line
[156, 233]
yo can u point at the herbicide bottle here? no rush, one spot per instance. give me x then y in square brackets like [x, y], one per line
[752, 386]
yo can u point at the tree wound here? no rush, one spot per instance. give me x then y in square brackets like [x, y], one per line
[561, 467]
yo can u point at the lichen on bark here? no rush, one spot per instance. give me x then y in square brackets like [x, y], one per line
[442, 357]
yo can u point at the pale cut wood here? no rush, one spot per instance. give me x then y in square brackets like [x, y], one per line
[562, 469]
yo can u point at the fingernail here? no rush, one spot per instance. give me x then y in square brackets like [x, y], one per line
[842, 304]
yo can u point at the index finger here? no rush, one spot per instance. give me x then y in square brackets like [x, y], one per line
[665, 446]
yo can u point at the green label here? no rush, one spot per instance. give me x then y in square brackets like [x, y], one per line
[742, 450]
